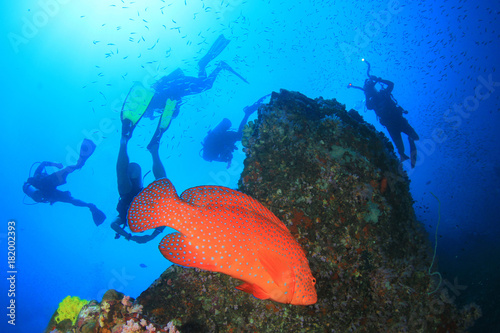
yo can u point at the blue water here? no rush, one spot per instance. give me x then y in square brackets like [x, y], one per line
[67, 65]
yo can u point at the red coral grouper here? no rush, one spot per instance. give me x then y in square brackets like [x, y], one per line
[226, 231]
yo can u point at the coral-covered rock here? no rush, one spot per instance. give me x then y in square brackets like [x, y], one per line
[338, 186]
[116, 313]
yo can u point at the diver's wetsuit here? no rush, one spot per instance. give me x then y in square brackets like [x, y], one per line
[176, 85]
[120, 222]
[390, 115]
[42, 188]
[219, 144]
[47, 185]
[124, 203]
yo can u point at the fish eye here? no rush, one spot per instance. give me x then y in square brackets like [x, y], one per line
[314, 281]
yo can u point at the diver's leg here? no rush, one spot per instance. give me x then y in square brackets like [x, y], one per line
[410, 131]
[398, 142]
[78, 203]
[413, 152]
[207, 82]
[158, 168]
[65, 196]
[229, 68]
[97, 215]
[86, 150]
[154, 144]
[171, 110]
[217, 47]
[124, 184]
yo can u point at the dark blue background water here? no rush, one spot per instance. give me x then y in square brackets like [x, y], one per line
[67, 65]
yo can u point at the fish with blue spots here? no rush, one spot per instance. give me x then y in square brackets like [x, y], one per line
[226, 231]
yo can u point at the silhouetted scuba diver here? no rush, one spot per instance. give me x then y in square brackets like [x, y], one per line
[42, 186]
[129, 175]
[389, 113]
[166, 94]
[220, 142]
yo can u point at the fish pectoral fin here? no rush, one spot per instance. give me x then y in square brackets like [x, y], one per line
[177, 248]
[278, 268]
[253, 289]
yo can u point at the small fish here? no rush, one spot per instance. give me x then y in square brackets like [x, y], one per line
[226, 231]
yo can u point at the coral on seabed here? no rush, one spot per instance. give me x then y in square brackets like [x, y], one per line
[69, 308]
[116, 313]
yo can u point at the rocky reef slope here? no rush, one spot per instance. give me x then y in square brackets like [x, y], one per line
[338, 186]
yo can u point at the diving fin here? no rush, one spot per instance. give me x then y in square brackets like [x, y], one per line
[86, 150]
[225, 66]
[217, 47]
[133, 108]
[97, 215]
[164, 123]
[413, 153]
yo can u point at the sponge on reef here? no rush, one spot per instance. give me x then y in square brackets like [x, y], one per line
[69, 308]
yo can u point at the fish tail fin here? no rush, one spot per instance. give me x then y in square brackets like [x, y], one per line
[150, 208]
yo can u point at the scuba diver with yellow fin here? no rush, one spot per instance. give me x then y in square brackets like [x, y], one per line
[129, 174]
[389, 113]
[165, 96]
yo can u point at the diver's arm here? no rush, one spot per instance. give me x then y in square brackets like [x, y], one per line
[252, 108]
[116, 226]
[389, 84]
[147, 238]
[248, 111]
